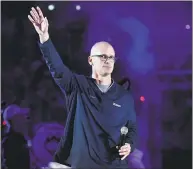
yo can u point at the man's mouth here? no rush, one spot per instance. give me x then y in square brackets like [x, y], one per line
[107, 66]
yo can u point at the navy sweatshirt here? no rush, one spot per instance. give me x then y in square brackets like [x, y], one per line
[94, 120]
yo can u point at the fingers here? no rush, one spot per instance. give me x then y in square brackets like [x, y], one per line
[125, 151]
[126, 147]
[46, 21]
[40, 12]
[35, 18]
[37, 15]
[124, 156]
[35, 12]
[30, 18]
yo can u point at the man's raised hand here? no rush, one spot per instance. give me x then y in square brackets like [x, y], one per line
[39, 22]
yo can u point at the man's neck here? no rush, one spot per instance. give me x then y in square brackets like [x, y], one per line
[102, 80]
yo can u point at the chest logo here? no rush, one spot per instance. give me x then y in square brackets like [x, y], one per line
[117, 105]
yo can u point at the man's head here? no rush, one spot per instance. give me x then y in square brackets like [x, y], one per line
[102, 58]
[17, 117]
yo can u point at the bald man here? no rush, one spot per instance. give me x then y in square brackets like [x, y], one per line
[98, 107]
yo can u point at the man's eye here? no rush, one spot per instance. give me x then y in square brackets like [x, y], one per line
[104, 56]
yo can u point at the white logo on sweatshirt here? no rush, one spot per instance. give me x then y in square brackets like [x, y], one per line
[117, 105]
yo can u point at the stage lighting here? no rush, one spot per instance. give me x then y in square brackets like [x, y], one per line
[51, 7]
[78, 7]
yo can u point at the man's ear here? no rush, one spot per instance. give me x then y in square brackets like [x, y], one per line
[90, 60]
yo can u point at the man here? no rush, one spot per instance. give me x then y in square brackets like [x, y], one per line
[98, 107]
[14, 144]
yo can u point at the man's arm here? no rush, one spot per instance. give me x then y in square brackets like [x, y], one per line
[132, 135]
[132, 126]
[63, 77]
[61, 74]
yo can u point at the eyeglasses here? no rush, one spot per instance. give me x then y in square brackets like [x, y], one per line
[104, 58]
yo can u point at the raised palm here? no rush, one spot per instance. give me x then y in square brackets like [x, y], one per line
[38, 20]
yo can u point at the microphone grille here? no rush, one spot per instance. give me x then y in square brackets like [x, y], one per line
[124, 130]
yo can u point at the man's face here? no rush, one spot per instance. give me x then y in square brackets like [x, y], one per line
[20, 123]
[102, 59]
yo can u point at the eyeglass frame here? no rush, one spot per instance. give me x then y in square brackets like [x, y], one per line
[107, 57]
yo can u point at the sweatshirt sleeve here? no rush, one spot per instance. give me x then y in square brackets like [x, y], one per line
[61, 74]
[131, 137]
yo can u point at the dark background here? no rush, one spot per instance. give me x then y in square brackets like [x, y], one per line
[154, 46]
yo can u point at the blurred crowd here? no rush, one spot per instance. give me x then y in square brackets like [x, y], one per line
[26, 80]
[27, 83]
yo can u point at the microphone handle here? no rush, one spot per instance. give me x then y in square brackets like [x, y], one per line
[122, 140]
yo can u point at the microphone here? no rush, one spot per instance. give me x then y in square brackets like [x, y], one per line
[124, 131]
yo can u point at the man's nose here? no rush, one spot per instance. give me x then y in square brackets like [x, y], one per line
[107, 61]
